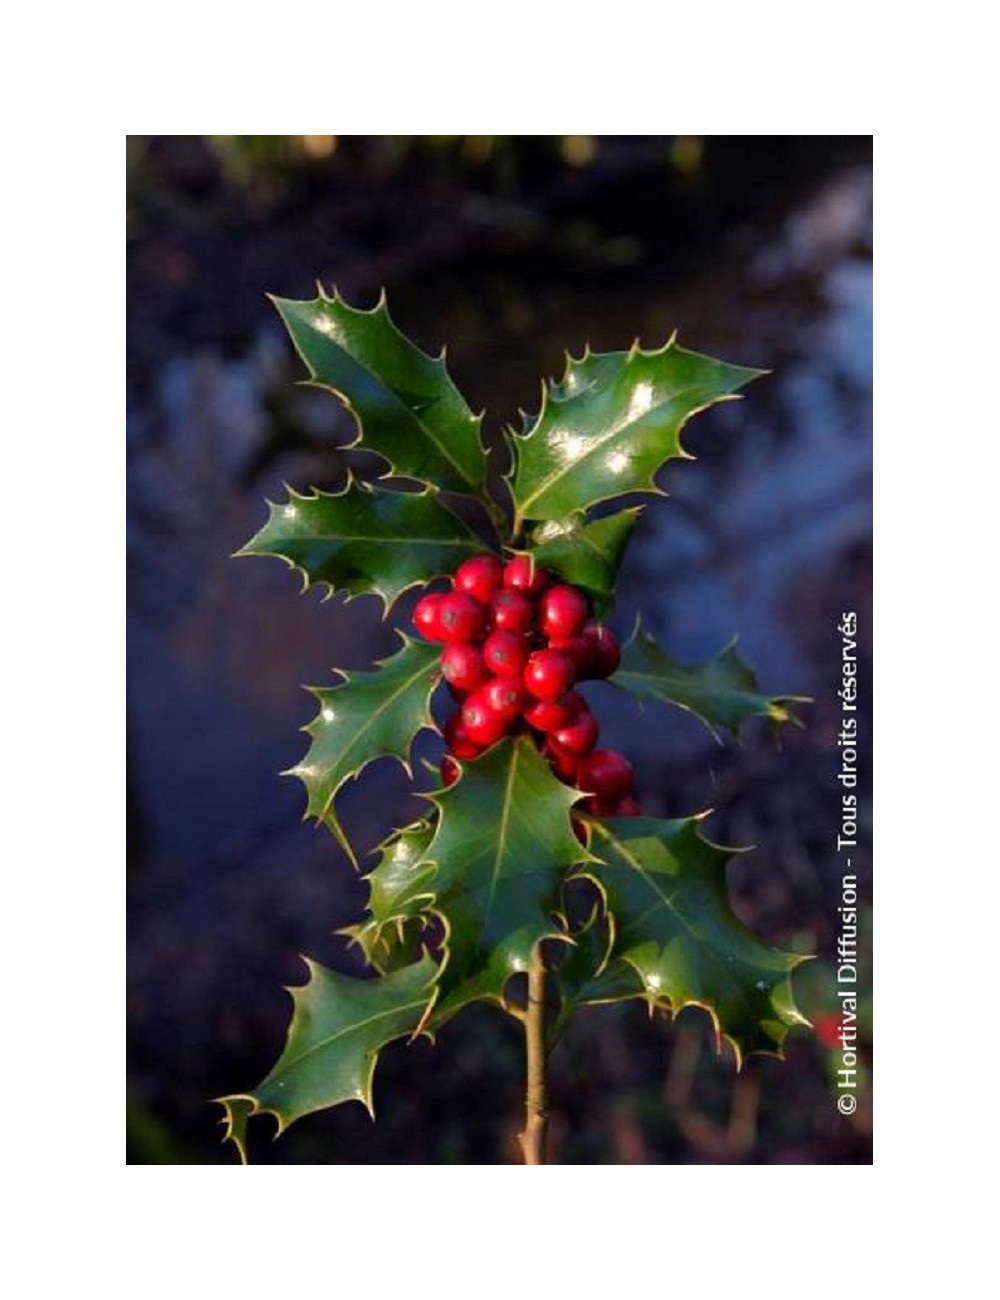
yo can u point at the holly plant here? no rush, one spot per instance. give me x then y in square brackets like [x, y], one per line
[534, 856]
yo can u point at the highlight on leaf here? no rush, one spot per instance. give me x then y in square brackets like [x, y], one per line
[670, 921]
[365, 540]
[611, 423]
[527, 806]
[404, 402]
[368, 715]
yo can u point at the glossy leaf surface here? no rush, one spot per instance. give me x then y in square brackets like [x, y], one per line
[585, 976]
[721, 692]
[406, 406]
[587, 555]
[500, 851]
[398, 898]
[368, 716]
[670, 920]
[339, 1026]
[612, 422]
[365, 539]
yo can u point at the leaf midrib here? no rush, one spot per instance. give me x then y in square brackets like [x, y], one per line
[722, 970]
[354, 1028]
[363, 731]
[410, 411]
[598, 442]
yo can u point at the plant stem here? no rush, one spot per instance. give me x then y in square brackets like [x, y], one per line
[533, 1137]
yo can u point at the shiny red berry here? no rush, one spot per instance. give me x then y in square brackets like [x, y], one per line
[427, 617]
[563, 763]
[605, 652]
[607, 775]
[580, 651]
[623, 808]
[450, 771]
[462, 666]
[505, 696]
[459, 741]
[479, 577]
[513, 611]
[549, 715]
[505, 654]
[562, 613]
[578, 736]
[523, 574]
[461, 617]
[548, 674]
[483, 724]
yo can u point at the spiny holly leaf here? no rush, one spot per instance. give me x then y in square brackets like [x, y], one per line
[721, 692]
[367, 716]
[339, 1026]
[671, 922]
[398, 899]
[587, 555]
[585, 976]
[500, 851]
[406, 406]
[612, 422]
[365, 539]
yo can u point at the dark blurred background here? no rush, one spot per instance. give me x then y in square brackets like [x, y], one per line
[510, 250]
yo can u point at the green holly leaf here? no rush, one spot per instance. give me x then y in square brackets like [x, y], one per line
[369, 715]
[405, 404]
[500, 851]
[721, 693]
[610, 424]
[365, 539]
[339, 1026]
[586, 976]
[670, 920]
[587, 555]
[398, 899]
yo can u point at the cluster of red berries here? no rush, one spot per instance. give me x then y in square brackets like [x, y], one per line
[515, 643]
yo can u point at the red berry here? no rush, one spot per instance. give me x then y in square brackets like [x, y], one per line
[563, 763]
[580, 735]
[513, 611]
[505, 696]
[579, 650]
[450, 771]
[462, 666]
[548, 674]
[827, 1025]
[479, 577]
[505, 654]
[461, 617]
[607, 775]
[483, 725]
[459, 741]
[427, 617]
[562, 613]
[579, 830]
[628, 808]
[549, 715]
[523, 574]
[605, 652]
